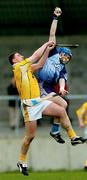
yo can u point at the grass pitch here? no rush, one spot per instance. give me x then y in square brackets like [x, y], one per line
[49, 175]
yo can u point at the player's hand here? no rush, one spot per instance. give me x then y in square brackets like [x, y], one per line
[57, 11]
[63, 92]
[51, 45]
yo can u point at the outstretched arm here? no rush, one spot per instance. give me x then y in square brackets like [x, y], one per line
[39, 52]
[62, 89]
[44, 57]
[56, 14]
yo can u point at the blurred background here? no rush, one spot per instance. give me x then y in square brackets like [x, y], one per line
[24, 26]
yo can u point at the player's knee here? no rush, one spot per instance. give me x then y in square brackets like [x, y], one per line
[65, 105]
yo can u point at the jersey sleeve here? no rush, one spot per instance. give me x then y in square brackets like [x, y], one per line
[47, 72]
[61, 74]
[53, 52]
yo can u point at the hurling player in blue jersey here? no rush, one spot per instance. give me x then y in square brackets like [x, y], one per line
[54, 74]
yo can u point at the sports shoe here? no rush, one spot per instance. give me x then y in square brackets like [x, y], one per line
[23, 168]
[85, 165]
[57, 137]
[78, 140]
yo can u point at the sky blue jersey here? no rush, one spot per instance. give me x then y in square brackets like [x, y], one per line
[53, 69]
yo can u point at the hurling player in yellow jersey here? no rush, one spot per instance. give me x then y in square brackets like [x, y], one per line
[82, 118]
[28, 89]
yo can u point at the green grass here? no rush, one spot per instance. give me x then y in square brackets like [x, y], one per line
[51, 175]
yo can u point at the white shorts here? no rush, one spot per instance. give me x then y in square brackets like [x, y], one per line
[35, 112]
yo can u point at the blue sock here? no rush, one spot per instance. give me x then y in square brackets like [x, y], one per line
[55, 128]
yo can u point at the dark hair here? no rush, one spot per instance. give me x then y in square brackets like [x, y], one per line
[11, 58]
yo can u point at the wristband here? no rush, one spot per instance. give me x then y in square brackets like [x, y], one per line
[55, 17]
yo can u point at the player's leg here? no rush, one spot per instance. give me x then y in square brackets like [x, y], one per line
[58, 111]
[55, 130]
[30, 130]
[59, 100]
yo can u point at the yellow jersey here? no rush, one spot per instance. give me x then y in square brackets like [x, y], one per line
[26, 82]
[82, 112]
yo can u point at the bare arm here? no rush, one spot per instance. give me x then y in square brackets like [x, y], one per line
[42, 60]
[62, 90]
[52, 35]
[39, 52]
